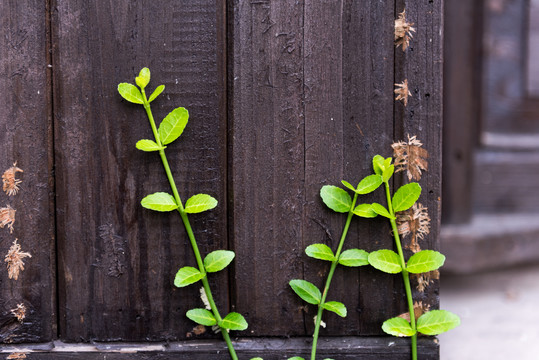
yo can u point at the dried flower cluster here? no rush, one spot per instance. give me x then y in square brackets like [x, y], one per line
[414, 221]
[410, 157]
[19, 312]
[403, 92]
[7, 217]
[424, 280]
[419, 309]
[11, 183]
[403, 31]
[14, 260]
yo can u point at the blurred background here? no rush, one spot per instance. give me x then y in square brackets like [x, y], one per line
[490, 215]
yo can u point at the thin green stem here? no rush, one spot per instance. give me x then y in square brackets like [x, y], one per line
[188, 229]
[330, 276]
[405, 275]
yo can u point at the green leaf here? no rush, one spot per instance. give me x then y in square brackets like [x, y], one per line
[172, 125]
[365, 210]
[187, 275]
[336, 198]
[348, 185]
[378, 164]
[218, 260]
[148, 145]
[234, 321]
[385, 260]
[369, 184]
[337, 307]
[388, 173]
[436, 322]
[320, 251]
[143, 78]
[398, 327]
[406, 196]
[381, 210]
[354, 258]
[425, 261]
[156, 93]
[296, 358]
[306, 291]
[130, 93]
[387, 162]
[159, 201]
[256, 358]
[202, 317]
[199, 203]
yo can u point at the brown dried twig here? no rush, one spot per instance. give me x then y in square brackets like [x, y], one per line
[17, 355]
[414, 221]
[19, 312]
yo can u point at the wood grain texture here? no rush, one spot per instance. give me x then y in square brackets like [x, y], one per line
[26, 138]
[348, 348]
[117, 261]
[422, 65]
[267, 155]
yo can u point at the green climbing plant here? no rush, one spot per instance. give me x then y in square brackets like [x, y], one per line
[169, 130]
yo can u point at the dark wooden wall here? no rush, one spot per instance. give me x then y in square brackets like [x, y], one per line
[284, 97]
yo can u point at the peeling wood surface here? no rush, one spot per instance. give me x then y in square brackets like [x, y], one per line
[284, 97]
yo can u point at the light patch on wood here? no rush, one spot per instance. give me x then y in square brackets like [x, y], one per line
[11, 183]
[403, 31]
[114, 254]
[14, 260]
[410, 157]
[415, 222]
[7, 217]
[403, 92]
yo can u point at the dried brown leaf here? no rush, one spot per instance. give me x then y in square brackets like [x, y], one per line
[17, 355]
[14, 260]
[419, 309]
[410, 157]
[19, 312]
[403, 31]
[425, 279]
[7, 217]
[415, 222]
[403, 92]
[11, 183]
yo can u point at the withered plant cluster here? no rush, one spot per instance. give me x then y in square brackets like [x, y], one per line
[403, 35]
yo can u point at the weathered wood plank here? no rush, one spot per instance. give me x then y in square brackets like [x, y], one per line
[461, 107]
[267, 155]
[117, 261]
[26, 138]
[422, 65]
[368, 72]
[368, 348]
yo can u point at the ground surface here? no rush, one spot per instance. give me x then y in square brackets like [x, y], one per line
[499, 312]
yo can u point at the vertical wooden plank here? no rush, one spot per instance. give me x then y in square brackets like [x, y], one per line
[324, 148]
[25, 138]
[117, 261]
[267, 155]
[462, 46]
[422, 65]
[368, 72]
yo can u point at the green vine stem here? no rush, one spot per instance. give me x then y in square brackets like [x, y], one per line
[188, 228]
[330, 276]
[405, 275]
